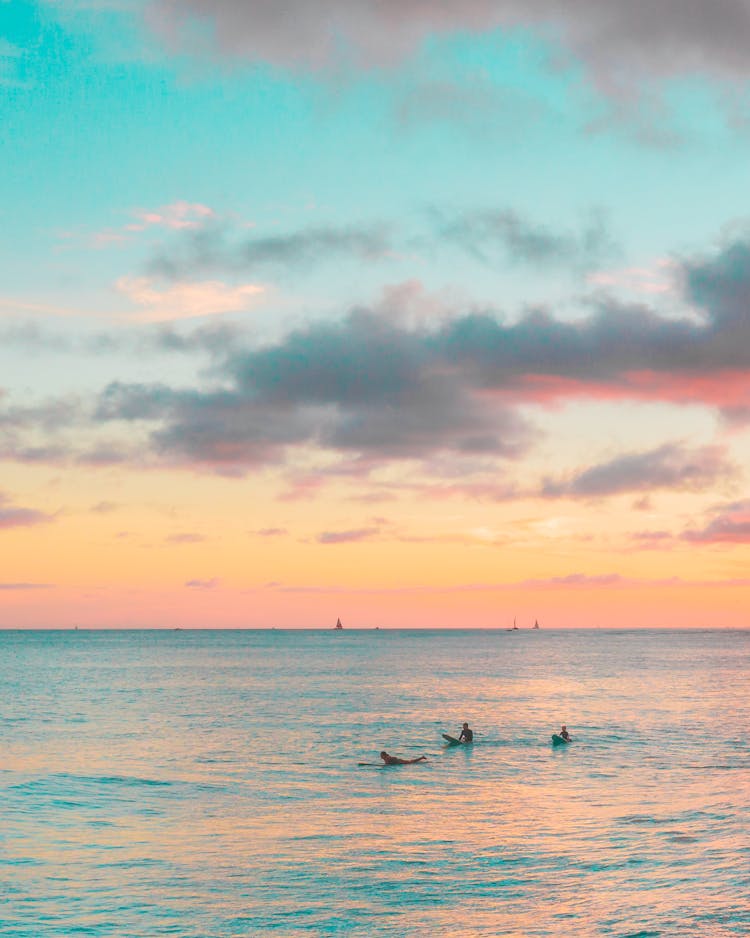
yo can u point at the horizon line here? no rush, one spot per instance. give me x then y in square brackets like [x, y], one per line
[371, 628]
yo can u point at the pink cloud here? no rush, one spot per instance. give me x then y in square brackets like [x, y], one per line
[723, 389]
[186, 300]
[12, 516]
[178, 216]
[731, 525]
[657, 278]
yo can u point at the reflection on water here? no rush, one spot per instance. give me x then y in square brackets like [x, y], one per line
[205, 784]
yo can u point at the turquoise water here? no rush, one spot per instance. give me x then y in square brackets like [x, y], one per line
[200, 783]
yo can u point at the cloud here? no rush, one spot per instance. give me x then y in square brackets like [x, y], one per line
[571, 581]
[105, 507]
[731, 525]
[652, 280]
[226, 247]
[625, 351]
[272, 532]
[22, 517]
[377, 389]
[578, 580]
[178, 216]
[12, 516]
[362, 385]
[347, 537]
[186, 538]
[26, 586]
[481, 107]
[483, 234]
[652, 539]
[671, 466]
[376, 386]
[488, 235]
[184, 300]
[203, 584]
[618, 41]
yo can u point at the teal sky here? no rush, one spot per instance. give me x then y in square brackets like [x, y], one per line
[101, 121]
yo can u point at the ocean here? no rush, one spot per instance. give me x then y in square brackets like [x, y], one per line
[205, 784]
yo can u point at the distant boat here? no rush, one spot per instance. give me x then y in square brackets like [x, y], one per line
[536, 624]
[338, 624]
[514, 629]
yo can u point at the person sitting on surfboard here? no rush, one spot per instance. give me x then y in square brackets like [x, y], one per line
[394, 760]
[467, 735]
[564, 734]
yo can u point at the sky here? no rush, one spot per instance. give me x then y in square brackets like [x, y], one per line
[416, 314]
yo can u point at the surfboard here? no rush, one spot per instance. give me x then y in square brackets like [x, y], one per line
[559, 741]
[451, 739]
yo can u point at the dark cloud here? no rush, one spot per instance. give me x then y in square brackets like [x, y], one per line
[672, 466]
[624, 350]
[618, 41]
[730, 525]
[224, 247]
[361, 385]
[488, 233]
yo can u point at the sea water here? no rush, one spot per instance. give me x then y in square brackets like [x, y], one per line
[205, 783]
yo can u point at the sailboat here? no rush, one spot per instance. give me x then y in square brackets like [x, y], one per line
[338, 624]
[536, 624]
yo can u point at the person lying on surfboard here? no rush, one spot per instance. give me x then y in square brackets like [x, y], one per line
[394, 760]
[467, 735]
[564, 734]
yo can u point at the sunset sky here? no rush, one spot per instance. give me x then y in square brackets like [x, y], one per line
[410, 313]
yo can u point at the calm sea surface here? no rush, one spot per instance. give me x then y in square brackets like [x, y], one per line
[201, 784]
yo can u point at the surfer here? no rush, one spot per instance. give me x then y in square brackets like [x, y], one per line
[394, 760]
[564, 734]
[467, 735]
